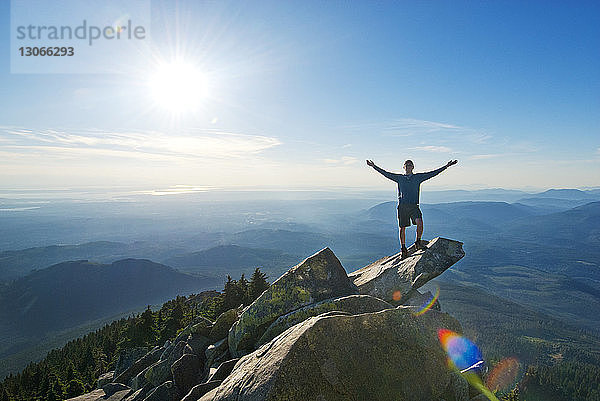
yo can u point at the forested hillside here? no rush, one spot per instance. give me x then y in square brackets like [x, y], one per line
[74, 369]
[557, 362]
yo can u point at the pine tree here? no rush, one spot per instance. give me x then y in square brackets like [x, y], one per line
[147, 330]
[177, 312]
[231, 295]
[243, 290]
[75, 388]
[258, 284]
[70, 374]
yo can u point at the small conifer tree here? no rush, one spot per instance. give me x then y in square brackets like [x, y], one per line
[258, 284]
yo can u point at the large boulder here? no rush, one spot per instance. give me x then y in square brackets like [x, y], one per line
[128, 356]
[393, 278]
[318, 277]
[216, 352]
[158, 373]
[138, 366]
[352, 304]
[202, 326]
[165, 392]
[161, 370]
[223, 324]
[223, 370]
[388, 355]
[200, 389]
[186, 372]
[198, 343]
[174, 350]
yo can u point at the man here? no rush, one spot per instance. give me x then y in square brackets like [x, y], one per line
[408, 198]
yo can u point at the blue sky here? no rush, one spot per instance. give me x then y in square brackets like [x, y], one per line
[299, 94]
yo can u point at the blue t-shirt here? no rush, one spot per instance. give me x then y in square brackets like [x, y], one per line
[409, 184]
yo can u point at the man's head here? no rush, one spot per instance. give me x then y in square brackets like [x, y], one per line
[409, 166]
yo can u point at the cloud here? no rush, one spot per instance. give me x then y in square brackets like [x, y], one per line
[22, 153]
[404, 127]
[344, 160]
[485, 156]
[135, 144]
[412, 126]
[431, 148]
[408, 127]
[480, 137]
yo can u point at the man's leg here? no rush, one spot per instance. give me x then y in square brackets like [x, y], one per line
[402, 237]
[418, 243]
[403, 243]
[402, 223]
[419, 222]
[401, 227]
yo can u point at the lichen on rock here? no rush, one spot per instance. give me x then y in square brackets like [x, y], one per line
[353, 304]
[318, 277]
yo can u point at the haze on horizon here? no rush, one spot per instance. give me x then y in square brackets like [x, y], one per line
[283, 99]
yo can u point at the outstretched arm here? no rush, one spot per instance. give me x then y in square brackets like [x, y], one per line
[431, 174]
[381, 171]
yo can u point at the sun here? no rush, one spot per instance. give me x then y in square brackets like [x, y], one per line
[178, 87]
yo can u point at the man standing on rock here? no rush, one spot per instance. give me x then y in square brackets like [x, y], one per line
[408, 198]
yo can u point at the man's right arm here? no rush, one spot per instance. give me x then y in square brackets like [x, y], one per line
[386, 174]
[431, 174]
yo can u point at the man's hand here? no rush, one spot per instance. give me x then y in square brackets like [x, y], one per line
[451, 163]
[370, 163]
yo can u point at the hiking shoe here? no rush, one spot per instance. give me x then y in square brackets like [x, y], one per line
[404, 253]
[420, 244]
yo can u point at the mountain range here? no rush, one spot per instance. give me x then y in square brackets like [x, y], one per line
[539, 257]
[68, 295]
[235, 260]
[18, 263]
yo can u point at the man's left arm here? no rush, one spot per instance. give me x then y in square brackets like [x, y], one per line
[431, 174]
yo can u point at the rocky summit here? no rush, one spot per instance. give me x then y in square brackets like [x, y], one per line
[393, 278]
[316, 333]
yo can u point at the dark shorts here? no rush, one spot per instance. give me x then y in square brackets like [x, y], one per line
[408, 212]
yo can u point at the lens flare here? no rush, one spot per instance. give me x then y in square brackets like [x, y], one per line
[464, 356]
[429, 304]
[504, 375]
[119, 24]
[462, 352]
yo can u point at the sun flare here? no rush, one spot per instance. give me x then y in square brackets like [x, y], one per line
[178, 87]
